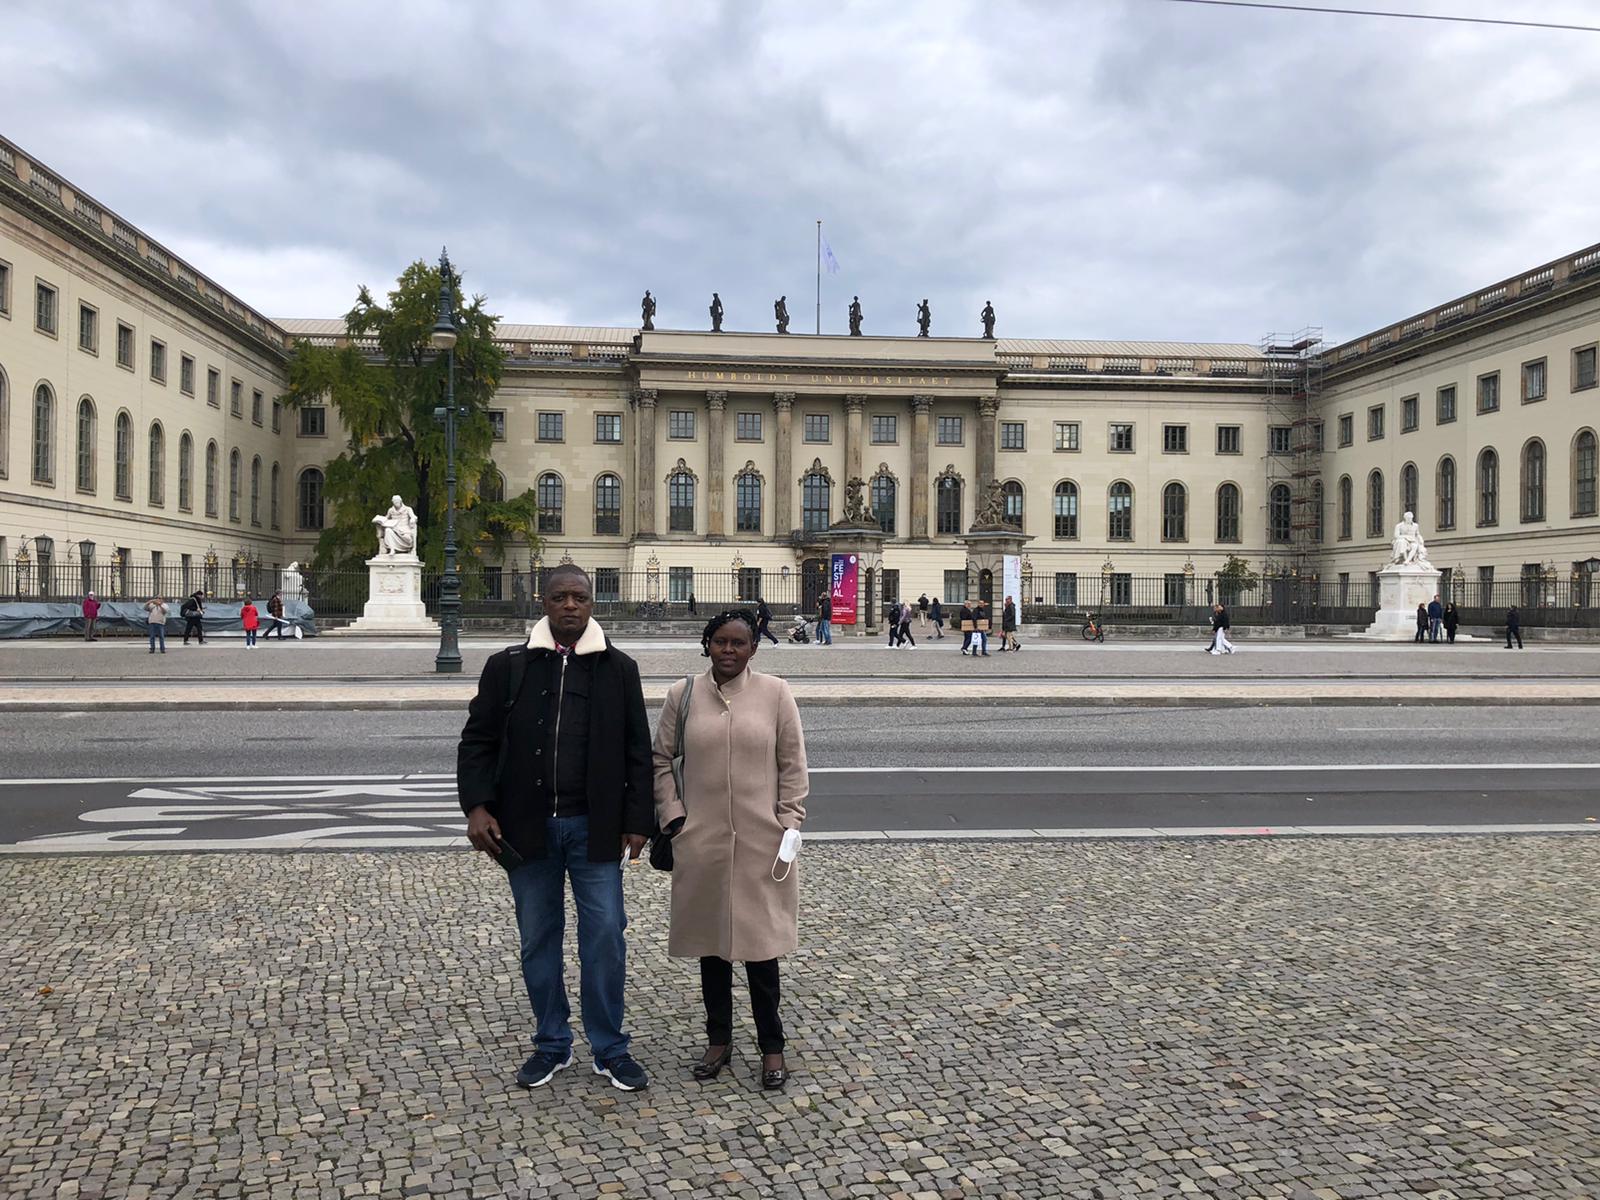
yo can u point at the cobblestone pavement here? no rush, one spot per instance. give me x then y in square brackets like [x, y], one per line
[1311, 1019]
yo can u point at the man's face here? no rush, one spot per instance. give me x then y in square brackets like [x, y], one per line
[569, 604]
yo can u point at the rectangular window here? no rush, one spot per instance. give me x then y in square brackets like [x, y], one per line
[1121, 437]
[608, 430]
[1013, 435]
[497, 424]
[493, 583]
[1174, 589]
[608, 584]
[955, 588]
[1583, 368]
[236, 398]
[552, 427]
[885, 430]
[255, 406]
[1174, 439]
[749, 584]
[1069, 436]
[186, 375]
[949, 431]
[88, 329]
[1533, 381]
[1485, 587]
[747, 426]
[680, 425]
[5, 289]
[816, 427]
[1489, 393]
[1375, 423]
[1318, 436]
[1122, 588]
[44, 308]
[1279, 439]
[1347, 429]
[680, 584]
[1230, 439]
[1066, 589]
[1445, 407]
[277, 416]
[124, 345]
[1408, 414]
[314, 422]
[158, 361]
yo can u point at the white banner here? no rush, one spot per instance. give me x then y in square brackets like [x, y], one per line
[1011, 582]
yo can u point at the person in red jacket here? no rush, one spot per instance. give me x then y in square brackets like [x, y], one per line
[91, 611]
[251, 620]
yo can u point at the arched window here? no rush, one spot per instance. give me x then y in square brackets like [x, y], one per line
[816, 502]
[1533, 481]
[1445, 487]
[1174, 513]
[608, 504]
[883, 495]
[680, 502]
[948, 498]
[211, 480]
[86, 434]
[123, 449]
[1119, 512]
[1317, 526]
[186, 472]
[491, 485]
[1011, 501]
[274, 489]
[158, 466]
[1346, 506]
[1228, 504]
[747, 503]
[1280, 513]
[235, 471]
[1375, 504]
[1408, 488]
[551, 502]
[255, 490]
[1066, 511]
[1488, 487]
[311, 512]
[44, 451]
[1583, 474]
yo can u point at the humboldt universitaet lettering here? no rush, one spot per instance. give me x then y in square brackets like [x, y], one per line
[817, 378]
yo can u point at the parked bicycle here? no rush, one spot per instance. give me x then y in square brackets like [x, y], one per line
[1093, 631]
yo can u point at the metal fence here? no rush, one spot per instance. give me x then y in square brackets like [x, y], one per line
[43, 580]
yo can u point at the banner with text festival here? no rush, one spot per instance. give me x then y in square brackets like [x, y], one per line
[842, 588]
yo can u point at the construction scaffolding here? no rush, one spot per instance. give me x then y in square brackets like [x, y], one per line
[1296, 529]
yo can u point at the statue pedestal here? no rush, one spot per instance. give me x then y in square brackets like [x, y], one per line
[394, 598]
[987, 548]
[1400, 590]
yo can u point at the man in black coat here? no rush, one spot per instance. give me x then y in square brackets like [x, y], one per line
[554, 774]
[763, 620]
[1513, 627]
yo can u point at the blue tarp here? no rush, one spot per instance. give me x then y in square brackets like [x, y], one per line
[22, 618]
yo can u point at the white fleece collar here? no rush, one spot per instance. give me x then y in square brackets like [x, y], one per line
[592, 642]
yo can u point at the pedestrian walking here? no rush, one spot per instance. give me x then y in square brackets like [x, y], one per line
[764, 619]
[891, 621]
[905, 626]
[731, 793]
[980, 628]
[964, 619]
[1422, 623]
[825, 620]
[193, 613]
[1008, 625]
[1452, 619]
[1220, 624]
[275, 611]
[922, 610]
[1435, 618]
[155, 616]
[91, 614]
[936, 615]
[250, 619]
[1513, 627]
[691, 605]
[553, 772]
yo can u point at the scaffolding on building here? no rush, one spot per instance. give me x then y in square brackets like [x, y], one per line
[1295, 533]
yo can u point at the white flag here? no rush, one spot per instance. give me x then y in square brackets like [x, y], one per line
[828, 260]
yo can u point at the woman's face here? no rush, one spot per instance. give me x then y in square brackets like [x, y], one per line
[732, 646]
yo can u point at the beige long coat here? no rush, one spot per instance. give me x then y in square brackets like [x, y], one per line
[744, 783]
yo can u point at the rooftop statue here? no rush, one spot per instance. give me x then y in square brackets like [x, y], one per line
[855, 316]
[716, 313]
[987, 316]
[780, 310]
[924, 318]
[647, 312]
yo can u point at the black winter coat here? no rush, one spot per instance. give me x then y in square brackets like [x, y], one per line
[495, 760]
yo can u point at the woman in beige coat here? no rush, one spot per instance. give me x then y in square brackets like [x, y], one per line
[744, 786]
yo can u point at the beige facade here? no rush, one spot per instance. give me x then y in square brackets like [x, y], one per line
[705, 452]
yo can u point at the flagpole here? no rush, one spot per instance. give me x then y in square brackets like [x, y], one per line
[819, 276]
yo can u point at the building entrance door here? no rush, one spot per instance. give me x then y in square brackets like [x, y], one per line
[813, 583]
[986, 586]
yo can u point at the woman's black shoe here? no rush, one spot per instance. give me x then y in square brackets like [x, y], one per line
[704, 1070]
[774, 1078]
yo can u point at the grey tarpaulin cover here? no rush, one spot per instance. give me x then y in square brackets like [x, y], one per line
[24, 618]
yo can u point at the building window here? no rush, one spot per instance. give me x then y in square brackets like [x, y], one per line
[608, 504]
[1445, 405]
[1533, 481]
[1584, 474]
[749, 584]
[124, 345]
[1068, 436]
[1533, 381]
[44, 308]
[5, 294]
[213, 387]
[680, 584]
[1445, 486]
[680, 424]
[608, 584]
[1375, 504]
[1347, 429]
[1119, 512]
[158, 361]
[158, 466]
[211, 479]
[1346, 505]
[1485, 587]
[816, 497]
[86, 440]
[310, 499]
[1013, 435]
[1230, 439]
[552, 427]
[1317, 529]
[1583, 368]
[948, 431]
[1066, 589]
[235, 470]
[548, 493]
[816, 427]
[314, 421]
[235, 398]
[1122, 588]
[1228, 513]
[1409, 488]
[680, 502]
[883, 495]
[497, 423]
[1318, 437]
[491, 485]
[186, 375]
[747, 426]
[256, 406]
[1011, 503]
[1489, 393]
[747, 502]
[1488, 488]
[88, 329]
[186, 472]
[277, 416]
[1409, 420]
[1280, 514]
[955, 587]
[1375, 423]
[1065, 511]
[1280, 439]
[885, 429]
[274, 490]
[1174, 439]
[949, 505]
[255, 490]
[608, 428]
[1174, 513]
[122, 449]
[1121, 437]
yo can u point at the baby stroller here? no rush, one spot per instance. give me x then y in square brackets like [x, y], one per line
[800, 631]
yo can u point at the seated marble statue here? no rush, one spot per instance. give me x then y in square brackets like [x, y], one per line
[1408, 549]
[397, 529]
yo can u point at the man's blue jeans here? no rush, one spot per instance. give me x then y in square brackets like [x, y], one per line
[824, 633]
[538, 887]
[158, 635]
[1434, 624]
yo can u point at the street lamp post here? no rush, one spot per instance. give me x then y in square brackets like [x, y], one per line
[443, 338]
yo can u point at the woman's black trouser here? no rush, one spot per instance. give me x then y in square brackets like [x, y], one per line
[192, 625]
[716, 985]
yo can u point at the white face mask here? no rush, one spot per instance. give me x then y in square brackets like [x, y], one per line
[788, 851]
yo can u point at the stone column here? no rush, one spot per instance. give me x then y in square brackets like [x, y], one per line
[783, 466]
[854, 406]
[644, 478]
[716, 403]
[921, 422]
[988, 406]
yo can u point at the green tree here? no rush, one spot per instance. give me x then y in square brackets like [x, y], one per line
[384, 383]
[1235, 579]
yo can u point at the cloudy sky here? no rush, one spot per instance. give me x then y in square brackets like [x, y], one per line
[1097, 168]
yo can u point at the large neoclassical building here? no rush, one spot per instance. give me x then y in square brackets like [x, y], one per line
[138, 422]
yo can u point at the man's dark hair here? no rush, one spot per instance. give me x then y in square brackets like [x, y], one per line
[568, 569]
[725, 617]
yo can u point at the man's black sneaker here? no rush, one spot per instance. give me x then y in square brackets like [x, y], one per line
[624, 1073]
[541, 1068]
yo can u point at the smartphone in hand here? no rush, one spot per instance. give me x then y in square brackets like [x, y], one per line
[506, 855]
